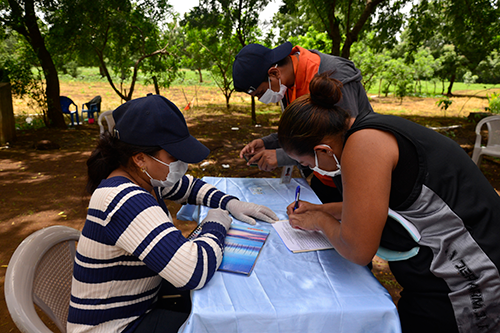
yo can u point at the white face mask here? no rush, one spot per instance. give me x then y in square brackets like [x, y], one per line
[271, 96]
[177, 170]
[324, 172]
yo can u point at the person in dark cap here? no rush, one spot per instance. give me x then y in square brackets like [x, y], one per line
[282, 75]
[130, 253]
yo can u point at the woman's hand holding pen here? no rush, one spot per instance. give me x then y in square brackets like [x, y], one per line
[304, 206]
[310, 216]
[298, 217]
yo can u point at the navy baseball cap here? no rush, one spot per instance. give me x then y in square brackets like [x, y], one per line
[252, 63]
[154, 121]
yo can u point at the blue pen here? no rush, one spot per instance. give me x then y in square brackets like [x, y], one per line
[297, 196]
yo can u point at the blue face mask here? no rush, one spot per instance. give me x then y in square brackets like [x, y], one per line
[177, 169]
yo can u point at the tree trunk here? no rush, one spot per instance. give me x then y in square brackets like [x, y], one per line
[201, 77]
[35, 38]
[352, 34]
[452, 80]
[155, 82]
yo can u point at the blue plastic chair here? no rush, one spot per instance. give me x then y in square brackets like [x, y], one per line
[66, 102]
[91, 107]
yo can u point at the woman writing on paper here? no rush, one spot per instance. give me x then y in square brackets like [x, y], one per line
[130, 253]
[452, 282]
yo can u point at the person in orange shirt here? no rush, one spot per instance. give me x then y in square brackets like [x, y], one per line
[282, 75]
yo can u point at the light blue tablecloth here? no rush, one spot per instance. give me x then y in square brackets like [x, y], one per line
[294, 293]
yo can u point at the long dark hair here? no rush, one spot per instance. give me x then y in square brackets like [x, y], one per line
[310, 118]
[110, 154]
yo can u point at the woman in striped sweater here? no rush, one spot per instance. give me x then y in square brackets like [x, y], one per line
[130, 252]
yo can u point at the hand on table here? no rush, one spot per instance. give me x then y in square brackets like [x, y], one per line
[248, 212]
[220, 216]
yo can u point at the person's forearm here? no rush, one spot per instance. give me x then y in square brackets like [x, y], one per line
[271, 141]
[333, 208]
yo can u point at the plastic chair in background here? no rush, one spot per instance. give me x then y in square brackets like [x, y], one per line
[110, 121]
[91, 107]
[40, 272]
[66, 102]
[493, 144]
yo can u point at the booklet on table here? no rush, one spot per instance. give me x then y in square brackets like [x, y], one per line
[241, 248]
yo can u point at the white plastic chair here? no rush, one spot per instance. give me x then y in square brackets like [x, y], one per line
[493, 145]
[40, 272]
[108, 115]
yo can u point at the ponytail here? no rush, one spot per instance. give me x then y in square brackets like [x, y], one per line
[109, 155]
[310, 118]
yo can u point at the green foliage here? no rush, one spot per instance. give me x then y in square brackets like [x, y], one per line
[195, 56]
[122, 37]
[469, 78]
[224, 27]
[370, 63]
[489, 69]
[461, 33]
[17, 60]
[25, 121]
[343, 21]
[71, 68]
[423, 66]
[313, 39]
[494, 103]
[399, 74]
[444, 103]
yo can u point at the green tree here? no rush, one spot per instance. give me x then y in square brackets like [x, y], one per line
[452, 65]
[399, 75]
[488, 70]
[236, 22]
[370, 62]
[313, 39]
[238, 18]
[223, 53]
[17, 59]
[344, 21]
[471, 27]
[423, 67]
[195, 56]
[21, 16]
[121, 37]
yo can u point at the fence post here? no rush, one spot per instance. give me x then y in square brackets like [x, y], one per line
[7, 122]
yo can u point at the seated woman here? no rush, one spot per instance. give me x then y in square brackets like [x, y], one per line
[129, 250]
[452, 283]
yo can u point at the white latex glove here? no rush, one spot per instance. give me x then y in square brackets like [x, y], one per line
[244, 211]
[220, 216]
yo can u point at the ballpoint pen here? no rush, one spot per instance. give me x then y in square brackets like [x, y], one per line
[297, 196]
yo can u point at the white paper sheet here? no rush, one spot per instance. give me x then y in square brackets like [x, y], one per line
[297, 240]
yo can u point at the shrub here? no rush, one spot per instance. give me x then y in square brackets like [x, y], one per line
[494, 103]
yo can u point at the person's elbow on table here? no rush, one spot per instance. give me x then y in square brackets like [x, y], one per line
[248, 212]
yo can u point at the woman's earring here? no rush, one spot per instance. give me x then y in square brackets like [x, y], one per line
[143, 169]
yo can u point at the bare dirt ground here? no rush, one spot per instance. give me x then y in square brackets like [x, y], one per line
[40, 188]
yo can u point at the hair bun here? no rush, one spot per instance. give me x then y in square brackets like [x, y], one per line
[325, 91]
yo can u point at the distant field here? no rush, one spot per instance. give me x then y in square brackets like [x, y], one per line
[188, 90]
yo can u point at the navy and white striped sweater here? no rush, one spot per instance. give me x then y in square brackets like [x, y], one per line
[129, 244]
